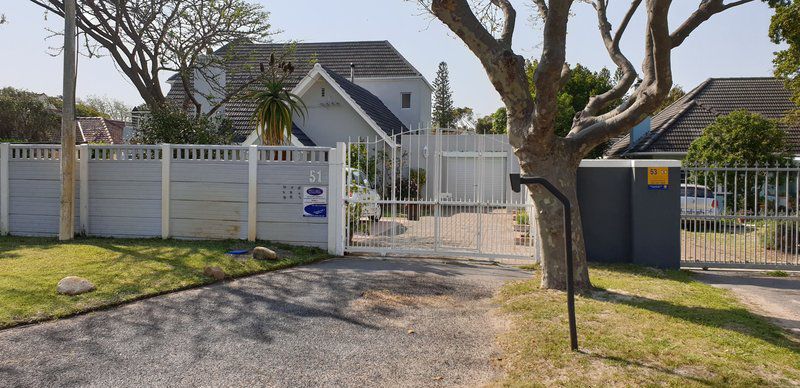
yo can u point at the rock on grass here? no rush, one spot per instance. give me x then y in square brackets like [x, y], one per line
[73, 285]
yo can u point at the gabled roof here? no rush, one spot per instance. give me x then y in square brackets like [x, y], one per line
[372, 59]
[673, 129]
[370, 104]
[99, 130]
[366, 104]
[301, 136]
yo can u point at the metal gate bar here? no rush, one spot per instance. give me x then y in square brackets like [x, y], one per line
[427, 192]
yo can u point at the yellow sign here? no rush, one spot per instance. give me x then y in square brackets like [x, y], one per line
[657, 178]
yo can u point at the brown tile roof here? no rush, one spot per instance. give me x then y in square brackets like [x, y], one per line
[99, 130]
[676, 127]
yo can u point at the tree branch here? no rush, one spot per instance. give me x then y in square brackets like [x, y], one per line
[509, 20]
[599, 102]
[704, 11]
[506, 70]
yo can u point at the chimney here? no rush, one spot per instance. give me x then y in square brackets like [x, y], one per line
[352, 72]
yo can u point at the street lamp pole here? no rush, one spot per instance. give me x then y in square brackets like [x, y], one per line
[516, 181]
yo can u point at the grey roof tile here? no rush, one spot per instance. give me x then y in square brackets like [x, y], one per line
[372, 59]
[677, 126]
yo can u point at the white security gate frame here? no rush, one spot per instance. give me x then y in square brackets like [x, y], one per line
[408, 207]
[740, 217]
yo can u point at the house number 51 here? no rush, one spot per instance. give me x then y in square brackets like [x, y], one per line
[315, 176]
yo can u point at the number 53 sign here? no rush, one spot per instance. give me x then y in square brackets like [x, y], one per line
[657, 178]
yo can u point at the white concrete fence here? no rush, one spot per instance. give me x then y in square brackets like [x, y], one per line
[180, 191]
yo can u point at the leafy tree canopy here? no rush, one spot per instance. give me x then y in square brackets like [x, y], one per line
[173, 125]
[108, 107]
[785, 28]
[583, 83]
[495, 123]
[27, 117]
[740, 138]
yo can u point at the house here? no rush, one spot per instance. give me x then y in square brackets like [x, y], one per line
[668, 134]
[99, 130]
[363, 89]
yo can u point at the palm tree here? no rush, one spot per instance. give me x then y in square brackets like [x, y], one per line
[276, 106]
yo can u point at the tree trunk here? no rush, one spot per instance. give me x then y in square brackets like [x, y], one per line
[561, 171]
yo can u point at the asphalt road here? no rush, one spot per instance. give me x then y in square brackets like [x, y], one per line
[777, 298]
[342, 322]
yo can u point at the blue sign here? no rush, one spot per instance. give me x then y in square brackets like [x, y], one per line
[314, 191]
[315, 211]
[315, 202]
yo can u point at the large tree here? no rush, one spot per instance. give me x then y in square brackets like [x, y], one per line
[582, 84]
[148, 37]
[785, 28]
[532, 119]
[443, 110]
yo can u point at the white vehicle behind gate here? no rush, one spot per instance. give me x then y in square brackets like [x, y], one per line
[699, 200]
[360, 190]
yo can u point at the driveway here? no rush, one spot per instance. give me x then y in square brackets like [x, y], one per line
[341, 322]
[777, 298]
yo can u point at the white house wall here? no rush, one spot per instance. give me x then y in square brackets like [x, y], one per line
[389, 90]
[331, 119]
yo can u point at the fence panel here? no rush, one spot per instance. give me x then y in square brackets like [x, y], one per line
[209, 191]
[740, 216]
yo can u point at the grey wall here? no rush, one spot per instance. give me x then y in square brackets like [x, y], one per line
[623, 220]
[208, 193]
[34, 196]
[124, 198]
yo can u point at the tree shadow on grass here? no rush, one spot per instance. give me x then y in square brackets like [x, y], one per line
[739, 320]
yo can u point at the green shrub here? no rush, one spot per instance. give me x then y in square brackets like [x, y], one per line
[522, 217]
[780, 235]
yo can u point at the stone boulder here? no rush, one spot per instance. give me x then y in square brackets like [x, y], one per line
[262, 253]
[214, 272]
[73, 285]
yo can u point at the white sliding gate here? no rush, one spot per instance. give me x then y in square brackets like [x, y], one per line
[740, 217]
[431, 193]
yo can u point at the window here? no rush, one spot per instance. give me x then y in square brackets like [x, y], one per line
[406, 103]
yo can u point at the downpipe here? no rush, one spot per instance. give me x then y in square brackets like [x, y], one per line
[516, 181]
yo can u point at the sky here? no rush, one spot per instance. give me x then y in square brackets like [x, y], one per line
[733, 43]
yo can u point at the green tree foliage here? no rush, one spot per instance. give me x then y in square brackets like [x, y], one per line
[740, 138]
[173, 125]
[464, 118]
[27, 117]
[583, 83]
[276, 106]
[443, 110]
[81, 109]
[495, 123]
[110, 108]
[785, 28]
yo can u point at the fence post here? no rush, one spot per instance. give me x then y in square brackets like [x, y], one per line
[252, 193]
[166, 158]
[336, 191]
[4, 157]
[83, 173]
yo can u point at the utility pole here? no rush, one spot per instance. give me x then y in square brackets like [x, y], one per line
[66, 229]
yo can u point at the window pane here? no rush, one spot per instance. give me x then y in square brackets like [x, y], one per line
[406, 100]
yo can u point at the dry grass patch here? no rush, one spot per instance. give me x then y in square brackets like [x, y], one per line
[643, 327]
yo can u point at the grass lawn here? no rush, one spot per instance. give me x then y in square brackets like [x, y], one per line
[122, 270]
[643, 327]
